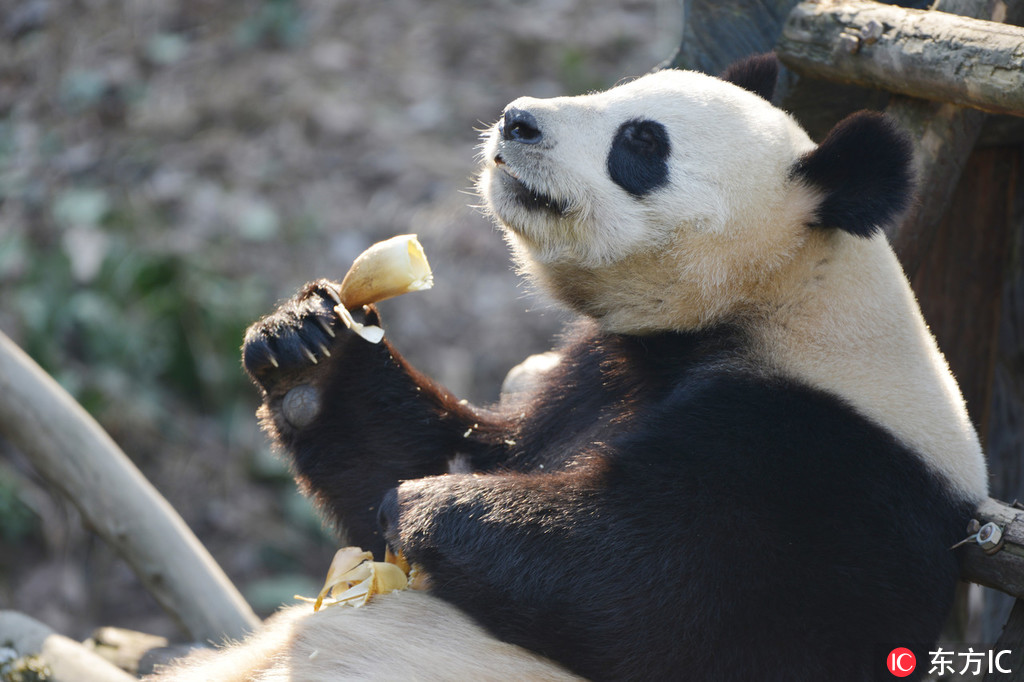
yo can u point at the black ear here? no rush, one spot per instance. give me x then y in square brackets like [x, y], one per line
[756, 74]
[864, 168]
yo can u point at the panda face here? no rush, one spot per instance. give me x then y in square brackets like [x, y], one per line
[681, 174]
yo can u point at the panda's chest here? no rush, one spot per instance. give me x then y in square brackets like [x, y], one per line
[607, 387]
[573, 429]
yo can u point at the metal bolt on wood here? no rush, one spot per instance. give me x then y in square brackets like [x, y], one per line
[990, 538]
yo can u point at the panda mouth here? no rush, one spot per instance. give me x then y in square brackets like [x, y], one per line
[526, 196]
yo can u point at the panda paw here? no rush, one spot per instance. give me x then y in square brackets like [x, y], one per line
[298, 338]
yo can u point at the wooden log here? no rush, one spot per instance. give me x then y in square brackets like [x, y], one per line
[79, 459]
[122, 647]
[1011, 639]
[944, 135]
[959, 283]
[1003, 569]
[1004, 440]
[924, 54]
[67, 660]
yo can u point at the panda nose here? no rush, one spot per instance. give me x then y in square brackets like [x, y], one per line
[520, 126]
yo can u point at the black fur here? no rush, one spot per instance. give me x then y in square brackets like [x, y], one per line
[758, 74]
[638, 159]
[657, 513]
[352, 453]
[864, 170]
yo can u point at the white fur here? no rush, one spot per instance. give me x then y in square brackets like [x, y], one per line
[705, 116]
[851, 325]
[727, 240]
[407, 636]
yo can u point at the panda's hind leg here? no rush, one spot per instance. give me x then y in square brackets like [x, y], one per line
[400, 636]
[254, 658]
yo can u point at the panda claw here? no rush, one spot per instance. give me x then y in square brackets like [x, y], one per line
[327, 328]
[333, 294]
[273, 361]
[309, 354]
[323, 349]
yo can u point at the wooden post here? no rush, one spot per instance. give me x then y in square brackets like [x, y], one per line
[80, 460]
[1011, 639]
[1004, 432]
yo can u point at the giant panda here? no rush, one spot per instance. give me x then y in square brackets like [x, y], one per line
[750, 460]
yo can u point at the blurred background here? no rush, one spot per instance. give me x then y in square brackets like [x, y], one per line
[170, 170]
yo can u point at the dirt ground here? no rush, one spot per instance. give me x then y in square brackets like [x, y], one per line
[221, 153]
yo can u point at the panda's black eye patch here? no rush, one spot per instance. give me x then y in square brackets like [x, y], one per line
[638, 159]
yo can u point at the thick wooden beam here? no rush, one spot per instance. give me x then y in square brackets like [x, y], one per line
[78, 458]
[924, 54]
[1003, 568]
[944, 135]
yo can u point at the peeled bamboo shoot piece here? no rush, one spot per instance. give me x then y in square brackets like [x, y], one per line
[345, 560]
[387, 269]
[381, 578]
[354, 578]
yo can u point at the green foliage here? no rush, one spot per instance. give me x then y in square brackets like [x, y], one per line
[81, 206]
[164, 49]
[17, 520]
[302, 516]
[122, 322]
[269, 594]
[23, 669]
[82, 89]
[277, 23]
[149, 319]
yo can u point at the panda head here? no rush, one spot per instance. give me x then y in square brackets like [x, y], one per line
[672, 200]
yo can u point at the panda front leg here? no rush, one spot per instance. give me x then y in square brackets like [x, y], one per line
[542, 560]
[352, 416]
